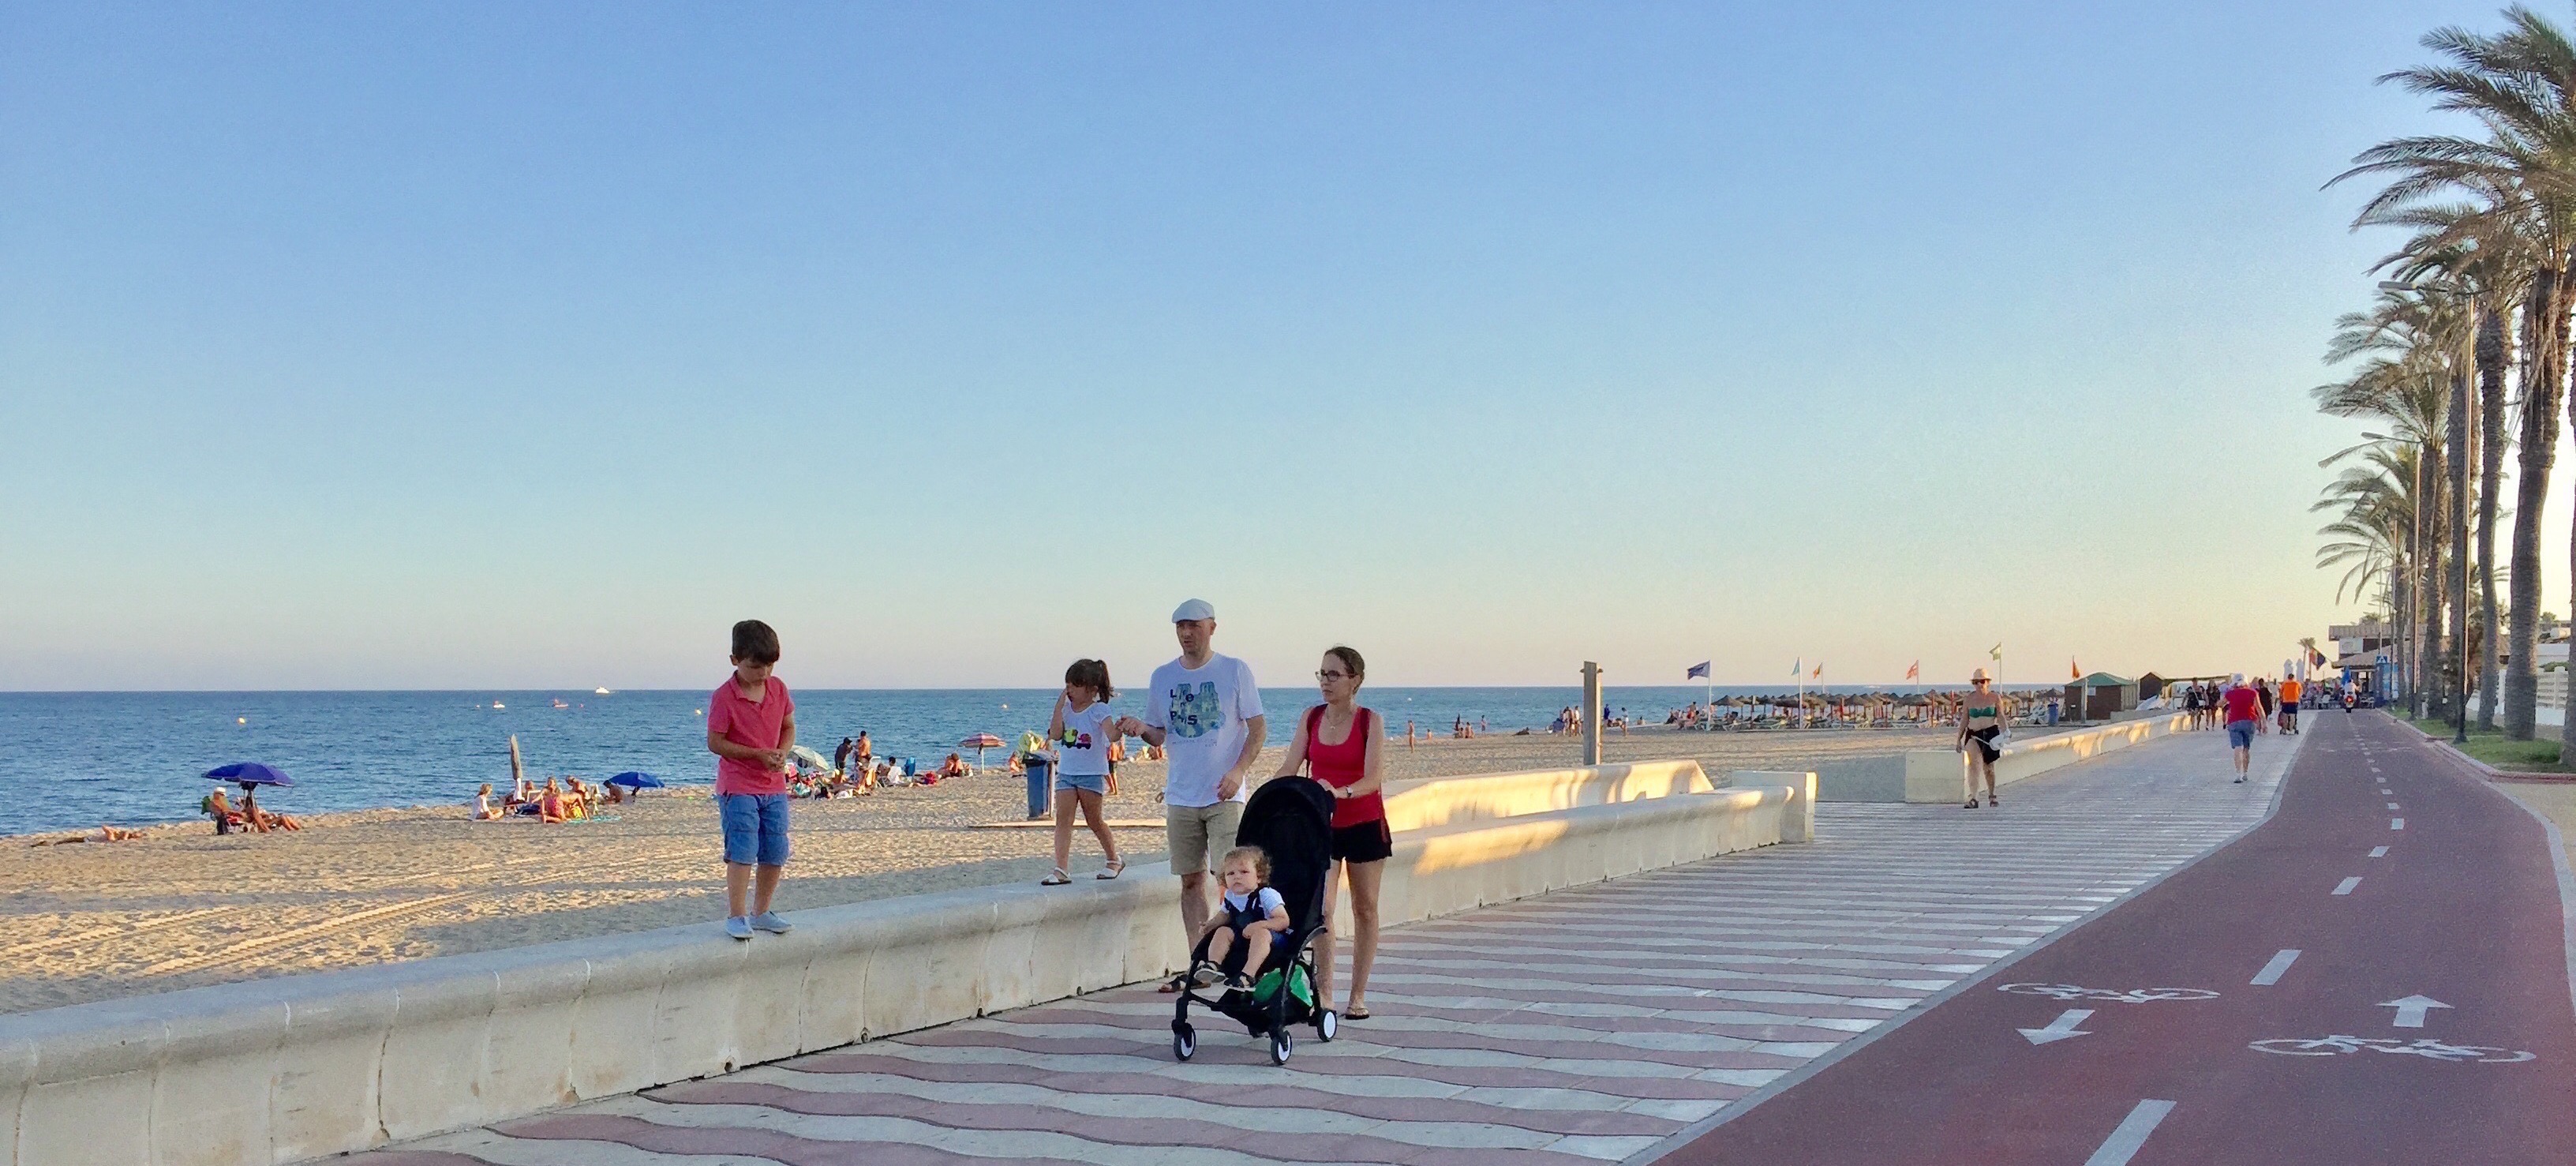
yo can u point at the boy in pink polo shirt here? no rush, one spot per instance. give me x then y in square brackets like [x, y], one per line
[751, 724]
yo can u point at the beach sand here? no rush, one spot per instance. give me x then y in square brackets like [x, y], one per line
[183, 907]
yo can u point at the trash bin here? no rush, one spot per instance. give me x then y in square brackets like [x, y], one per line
[1040, 785]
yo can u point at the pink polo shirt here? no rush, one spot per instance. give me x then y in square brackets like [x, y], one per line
[753, 723]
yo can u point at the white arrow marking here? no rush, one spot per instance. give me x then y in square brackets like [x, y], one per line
[2410, 1011]
[2379, 852]
[2345, 887]
[2060, 1028]
[2271, 973]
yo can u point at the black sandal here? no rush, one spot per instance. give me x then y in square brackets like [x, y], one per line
[1972, 802]
[1058, 879]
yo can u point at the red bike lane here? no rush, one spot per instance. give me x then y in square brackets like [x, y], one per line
[2461, 910]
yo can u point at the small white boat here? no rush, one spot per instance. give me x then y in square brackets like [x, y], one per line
[599, 692]
[497, 704]
[560, 704]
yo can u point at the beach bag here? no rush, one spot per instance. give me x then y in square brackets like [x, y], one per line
[1299, 985]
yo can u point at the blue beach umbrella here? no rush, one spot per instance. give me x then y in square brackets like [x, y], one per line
[248, 774]
[634, 780]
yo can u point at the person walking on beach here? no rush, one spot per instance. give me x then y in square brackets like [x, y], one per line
[1981, 720]
[1080, 732]
[2244, 708]
[2291, 691]
[1204, 712]
[1339, 741]
[751, 726]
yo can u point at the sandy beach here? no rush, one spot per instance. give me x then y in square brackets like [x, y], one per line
[183, 907]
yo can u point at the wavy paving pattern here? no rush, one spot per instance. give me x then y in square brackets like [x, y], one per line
[1582, 1027]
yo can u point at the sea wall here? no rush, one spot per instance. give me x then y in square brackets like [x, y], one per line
[1934, 776]
[287, 1069]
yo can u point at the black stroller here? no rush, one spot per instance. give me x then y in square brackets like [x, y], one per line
[1292, 820]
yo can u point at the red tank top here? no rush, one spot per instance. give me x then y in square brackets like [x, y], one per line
[1344, 765]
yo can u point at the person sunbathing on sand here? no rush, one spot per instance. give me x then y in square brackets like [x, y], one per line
[550, 805]
[955, 766]
[484, 810]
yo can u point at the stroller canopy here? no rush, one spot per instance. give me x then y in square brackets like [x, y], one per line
[1291, 820]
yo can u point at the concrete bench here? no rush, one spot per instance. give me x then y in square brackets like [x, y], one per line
[1941, 775]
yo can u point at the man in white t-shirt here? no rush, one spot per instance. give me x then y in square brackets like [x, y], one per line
[1205, 711]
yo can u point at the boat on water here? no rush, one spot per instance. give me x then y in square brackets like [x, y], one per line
[497, 704]
[560, 704]
[600, 692]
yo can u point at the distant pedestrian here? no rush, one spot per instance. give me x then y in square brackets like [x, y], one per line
[1203, 714]
[1981, 720]
[2291, 691]
[751, 726]
[2244, 708]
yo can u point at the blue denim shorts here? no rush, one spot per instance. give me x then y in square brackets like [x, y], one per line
[1095, 782]
[2240, 735]
[755, 828]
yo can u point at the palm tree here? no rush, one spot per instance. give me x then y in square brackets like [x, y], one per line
[2520, 85]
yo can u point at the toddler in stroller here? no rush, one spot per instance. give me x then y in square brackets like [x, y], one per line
[1263, 938]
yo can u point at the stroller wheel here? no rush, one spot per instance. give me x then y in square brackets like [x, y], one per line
[1281, 1044]
[1185, 1040]
[1327, 1023]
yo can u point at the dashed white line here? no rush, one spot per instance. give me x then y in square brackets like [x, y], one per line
[2379, 852]
[2271, 973]
[2397, 823]
[2345, 887]
[2392, 805]
[2132, 1134]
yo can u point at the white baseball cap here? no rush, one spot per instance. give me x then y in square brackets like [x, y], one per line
[2237, 678]
[1194, 609]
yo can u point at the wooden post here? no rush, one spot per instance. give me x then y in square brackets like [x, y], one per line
[517, 775]
[1591, 713]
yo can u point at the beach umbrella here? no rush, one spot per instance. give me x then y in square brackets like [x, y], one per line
[812, 758]
[979, 743]
[247, 774]
[635, 780]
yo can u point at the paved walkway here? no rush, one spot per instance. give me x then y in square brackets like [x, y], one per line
[1596, 1024]
[2376, 975]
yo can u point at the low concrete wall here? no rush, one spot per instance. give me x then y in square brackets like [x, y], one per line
[1941, 775]
[286, 1069]
[1438, 801]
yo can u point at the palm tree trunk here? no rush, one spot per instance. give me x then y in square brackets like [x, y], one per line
[2421, 679]
[2456, 540]
[2495, 342]
[2545, 315]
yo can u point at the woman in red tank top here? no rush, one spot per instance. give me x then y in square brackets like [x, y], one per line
[1339, 740]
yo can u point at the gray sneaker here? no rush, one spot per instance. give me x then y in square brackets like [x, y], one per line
[738, 927]
[770, 922]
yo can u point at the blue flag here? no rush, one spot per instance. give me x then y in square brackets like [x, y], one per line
[1797, 666]
[1697, 671]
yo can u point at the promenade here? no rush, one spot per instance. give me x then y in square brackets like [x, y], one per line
[1599, 1024]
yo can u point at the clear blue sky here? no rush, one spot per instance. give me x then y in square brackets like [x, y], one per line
[441, 345]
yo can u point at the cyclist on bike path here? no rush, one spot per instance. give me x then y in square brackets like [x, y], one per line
[2244, 719]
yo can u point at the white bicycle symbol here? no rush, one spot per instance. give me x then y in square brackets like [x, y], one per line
[2433, 1049]
[2071, 992]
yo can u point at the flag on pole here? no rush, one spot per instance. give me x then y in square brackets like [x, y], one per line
[1997, 651]
[1697, 671]
[1914, 671]
[1797, 666]
[2316, 659]
[2073, 672]
[1820, 672]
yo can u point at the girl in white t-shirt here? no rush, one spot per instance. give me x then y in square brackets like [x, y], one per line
[1079, 734]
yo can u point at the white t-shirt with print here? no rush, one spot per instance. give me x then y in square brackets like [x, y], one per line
[1083, 751]
[1203, 712]
[1266, 896]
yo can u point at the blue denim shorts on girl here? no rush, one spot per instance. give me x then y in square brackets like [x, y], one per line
[1095, 782]
[755, 828]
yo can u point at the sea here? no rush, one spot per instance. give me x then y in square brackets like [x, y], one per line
[75, 760]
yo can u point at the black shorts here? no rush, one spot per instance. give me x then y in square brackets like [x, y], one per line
[1984, 742]
[1366, 842]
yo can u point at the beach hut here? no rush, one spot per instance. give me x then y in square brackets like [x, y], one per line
[2101, 696]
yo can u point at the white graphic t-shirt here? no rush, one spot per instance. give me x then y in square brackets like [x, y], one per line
[1083, 751]
[1202, 712]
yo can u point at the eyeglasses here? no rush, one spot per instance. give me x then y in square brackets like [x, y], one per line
[1332, 676]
